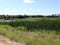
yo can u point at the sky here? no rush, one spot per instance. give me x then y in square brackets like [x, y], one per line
[30, 7]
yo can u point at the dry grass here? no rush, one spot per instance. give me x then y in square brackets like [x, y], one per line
[31, 38]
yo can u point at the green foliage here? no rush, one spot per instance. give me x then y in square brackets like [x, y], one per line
[41, 37]
[39, 24]
[36, 32]
[44, 24]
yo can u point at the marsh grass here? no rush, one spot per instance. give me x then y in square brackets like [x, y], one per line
[38, 24]
[41, 37]
[40, 32]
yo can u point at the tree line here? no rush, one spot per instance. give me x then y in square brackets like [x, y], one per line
[28, 16]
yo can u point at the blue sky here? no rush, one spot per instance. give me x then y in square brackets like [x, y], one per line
[42, 7]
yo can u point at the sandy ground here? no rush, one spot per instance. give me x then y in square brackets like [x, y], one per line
[7, 41]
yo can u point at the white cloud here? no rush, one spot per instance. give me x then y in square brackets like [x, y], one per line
[29, 1]
[8, 11]
[37, 12]
[31, 8]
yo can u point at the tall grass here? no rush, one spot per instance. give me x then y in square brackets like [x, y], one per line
[36, 32]
[41, 37]
[41, 24]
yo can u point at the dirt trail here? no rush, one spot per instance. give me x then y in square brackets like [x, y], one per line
[7, 41]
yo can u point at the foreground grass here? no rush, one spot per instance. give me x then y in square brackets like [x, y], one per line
[41, 37]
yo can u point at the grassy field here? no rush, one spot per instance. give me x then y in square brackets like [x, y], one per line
[40, 32]
[39, 24]
[31, 38]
